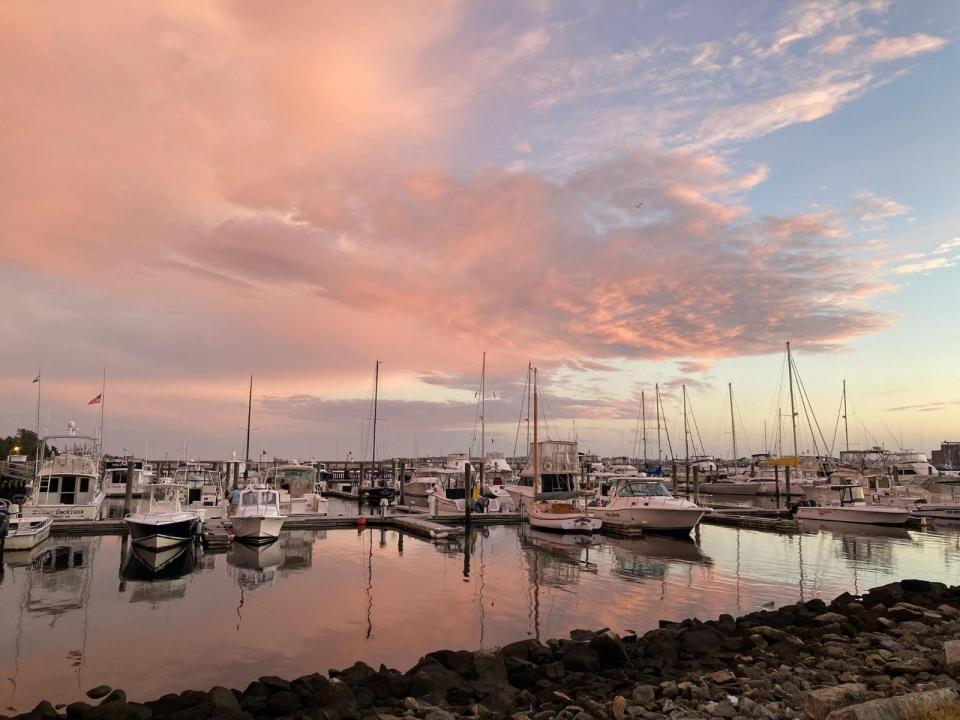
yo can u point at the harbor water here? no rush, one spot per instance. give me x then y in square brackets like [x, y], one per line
[81, 611]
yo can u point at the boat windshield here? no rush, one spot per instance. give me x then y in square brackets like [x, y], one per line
[644, 490]
[264, 497]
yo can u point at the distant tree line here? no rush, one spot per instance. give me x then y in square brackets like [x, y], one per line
[23, 443]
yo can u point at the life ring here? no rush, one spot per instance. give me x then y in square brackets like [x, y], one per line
[548, 466]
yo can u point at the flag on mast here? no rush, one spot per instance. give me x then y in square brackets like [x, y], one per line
[97, 400]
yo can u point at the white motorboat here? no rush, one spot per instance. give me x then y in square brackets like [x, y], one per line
[852, 509]
[23, 533]
[647, 504]
[165, 524]
[115, 477]
[67, 485]
[258, 519]
[442, 488]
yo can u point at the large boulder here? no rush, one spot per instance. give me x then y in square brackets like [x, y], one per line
[898, 707]
[610, 650]
[579, 657]
[823, 701]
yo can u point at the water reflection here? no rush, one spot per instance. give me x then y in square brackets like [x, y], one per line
[315, 600]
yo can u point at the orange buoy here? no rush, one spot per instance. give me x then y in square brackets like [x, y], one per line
[361, 521]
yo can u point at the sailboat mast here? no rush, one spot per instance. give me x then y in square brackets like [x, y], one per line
[659, 450]
[246, 452]
[39, 383]
[686, 430]
[376, 393]
[793, 411]
[536, 444]
[643, 415]
[733, 427]
[529, 390]
[483, 416]
[846, 430]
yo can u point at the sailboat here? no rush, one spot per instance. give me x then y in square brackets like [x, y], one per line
[561, 508]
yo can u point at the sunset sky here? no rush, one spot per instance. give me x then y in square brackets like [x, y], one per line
[623, 193]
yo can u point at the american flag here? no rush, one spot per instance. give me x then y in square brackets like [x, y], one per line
[97, 400]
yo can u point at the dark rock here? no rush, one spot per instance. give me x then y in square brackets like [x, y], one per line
[197, 712]
[78, 710]
[610, 650]
[703, 640]
[121, 711]
[43, 711]
[582, 635]
[459, 661]
[489, 666]
[580, 658]
[115, 696]
[281, 702]
[274, 683]
[98, 692]
[256, 689]
[357, 675]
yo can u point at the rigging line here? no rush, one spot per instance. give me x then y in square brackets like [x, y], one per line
[636, 434]
[816, 422]
[836, 426]
[896, 443]
[743, 427]
[694, 418]
[523, 402]
[663, 418]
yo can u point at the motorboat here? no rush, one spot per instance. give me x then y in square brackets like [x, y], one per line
[443, 488]
[22, 533]
[67, 484]
[647, 504]
[258, 519]
[115, 477]
[204, 489]
[907, 463]
[853, 509]
[297, 485]
[164, 524]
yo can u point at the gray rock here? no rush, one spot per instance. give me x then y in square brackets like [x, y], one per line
[820, 703]
[644, 694]
[98, 692]
[951, 651]
[898, 707]
[580, 658]
[223, 700]
[610, 650]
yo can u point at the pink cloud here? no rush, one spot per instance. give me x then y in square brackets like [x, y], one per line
[897, 48]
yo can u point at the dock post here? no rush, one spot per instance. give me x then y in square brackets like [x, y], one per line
[128, 494]
[673, 477]
[776, 483]
[467, 492]
[686, 478]
[400, 480]
[696, 482]
[236, 474]
[788, 486]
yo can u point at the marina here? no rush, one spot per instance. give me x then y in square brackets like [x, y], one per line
[71, 603]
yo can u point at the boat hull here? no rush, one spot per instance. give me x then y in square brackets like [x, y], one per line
[66, 512]
[256, 530]
[938, 511]
[26, 533]
[572, 522]
[659, 520]
[866, 514]
[160, 535]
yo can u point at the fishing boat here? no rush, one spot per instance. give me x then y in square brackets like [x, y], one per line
[556, 504]
[258, 519]
[204, 489]
[853, 509]
[115, 477]
[67, 485]
[297, 485]
[22, 533]
[647, 504]
[164, 524]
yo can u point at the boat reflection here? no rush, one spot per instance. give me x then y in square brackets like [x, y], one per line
[649, 557]
[160, 576]
[253, 566]
[556, 559]
[855, 529]
[60, 576]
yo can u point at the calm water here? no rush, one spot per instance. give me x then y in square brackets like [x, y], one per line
[85, 611]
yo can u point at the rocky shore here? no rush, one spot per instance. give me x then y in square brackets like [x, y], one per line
[891, 653]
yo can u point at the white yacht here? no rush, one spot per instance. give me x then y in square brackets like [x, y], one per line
[115, 477]
[647, 504]
[909, 462]
[559, 469]
[164, 524]
[852, 508]
[258, 519]
[67, 485]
